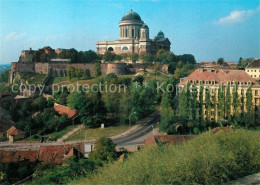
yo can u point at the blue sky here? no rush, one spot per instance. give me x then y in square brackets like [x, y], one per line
[208, 29]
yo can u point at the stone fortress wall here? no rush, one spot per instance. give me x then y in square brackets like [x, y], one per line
[59, 68]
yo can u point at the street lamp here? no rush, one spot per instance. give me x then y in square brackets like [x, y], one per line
[130, 120]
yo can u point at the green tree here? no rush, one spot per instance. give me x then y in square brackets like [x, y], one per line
[156, 69]
[109, 56]
[93, 112]
[249, 108]
[73, 55]
[104, 150]
[139, 79]
[39, 103]
[220, 61]
[90, 56]
[228, 104]
[236, 104]
[79, 73]
[164, 57]
[147, 58]
[184, 104]
[221, 102]
[71, 72]
[134, 57]
[4, 76]
[208, 104]
[97, 70]
[87, 74]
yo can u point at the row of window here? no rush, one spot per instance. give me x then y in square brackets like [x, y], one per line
[124, 33]
[207, 82]
[252, 70]
[255, 76]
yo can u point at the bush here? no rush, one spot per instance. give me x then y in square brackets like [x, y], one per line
[206, 159]
[104, 150]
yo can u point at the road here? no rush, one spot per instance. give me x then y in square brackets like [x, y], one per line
[135, 137]
[138, 136]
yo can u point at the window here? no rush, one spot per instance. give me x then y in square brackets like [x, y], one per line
[255, 70]
[133, 33]
[247, 70]
[125, 48]
[110, 49]
[256, 92]
[126, 32]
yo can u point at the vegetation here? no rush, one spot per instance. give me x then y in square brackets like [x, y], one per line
[242, 63]
[206, 159]
[104, 150]
[12, 172]
[73, 169]
[29, 78]
[4, 76]
[95, 133]
[184, 113]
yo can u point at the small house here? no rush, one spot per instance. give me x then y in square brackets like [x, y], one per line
[14, 134]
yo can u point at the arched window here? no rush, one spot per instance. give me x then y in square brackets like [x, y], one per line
[110, 49]
[124, 48]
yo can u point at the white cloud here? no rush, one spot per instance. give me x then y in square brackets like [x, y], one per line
[237, 17]
[15, 36]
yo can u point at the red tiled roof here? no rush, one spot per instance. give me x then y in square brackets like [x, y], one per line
[55, 154]
[18, 156]
[169, 139]
[35, 114]
[219, 76]
[65, 110]
[254, 63]
[14, 131]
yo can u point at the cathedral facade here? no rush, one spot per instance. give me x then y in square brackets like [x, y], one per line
[134, 38]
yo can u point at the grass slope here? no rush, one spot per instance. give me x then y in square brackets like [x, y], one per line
[95, 133]
[206, 159]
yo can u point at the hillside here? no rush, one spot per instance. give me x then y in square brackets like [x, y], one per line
[4, 67]
[207, 159]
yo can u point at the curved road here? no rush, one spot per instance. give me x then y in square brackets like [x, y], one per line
[135, 138]
[138, 136]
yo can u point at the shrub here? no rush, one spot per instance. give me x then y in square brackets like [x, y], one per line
[206, 159]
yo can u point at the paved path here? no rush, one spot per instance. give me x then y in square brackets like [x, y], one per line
[132, 137]
[63, 138]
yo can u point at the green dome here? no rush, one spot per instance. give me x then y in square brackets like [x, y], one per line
[145, 26]
[160, 33]
[131, 16]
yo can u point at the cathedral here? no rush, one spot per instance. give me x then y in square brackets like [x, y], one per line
[134, 38]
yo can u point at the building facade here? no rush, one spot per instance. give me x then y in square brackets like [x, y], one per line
[253, 69]
[213, 79]
[134, 38]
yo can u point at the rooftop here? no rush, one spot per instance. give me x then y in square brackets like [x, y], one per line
[18, 156]
[14, 131]
[61, 109]
[131, 16]
[254, 64]
[219, 76]
[55, 154]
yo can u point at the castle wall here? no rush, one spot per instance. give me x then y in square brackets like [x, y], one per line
[118, 68]
[41, 68]
[60, 69]
[25, 67]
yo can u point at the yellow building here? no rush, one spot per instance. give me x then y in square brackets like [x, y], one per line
[253, 69]
[212, 79]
